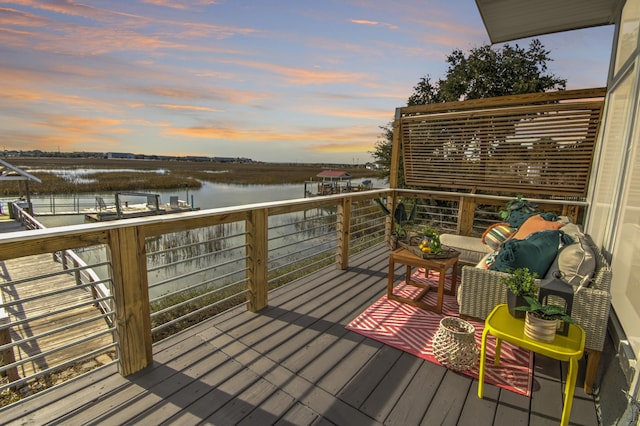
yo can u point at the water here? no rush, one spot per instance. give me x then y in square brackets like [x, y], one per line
[289, 240]
[209, 196]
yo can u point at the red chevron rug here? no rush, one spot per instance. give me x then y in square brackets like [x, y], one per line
[412, 329]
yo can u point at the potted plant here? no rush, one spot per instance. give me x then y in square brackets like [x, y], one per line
[541, 320]
[518, 203]
[520, 283]
[430, 241]
[401, 220]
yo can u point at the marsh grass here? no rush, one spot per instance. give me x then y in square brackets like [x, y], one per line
[142, 175]
[199, 308]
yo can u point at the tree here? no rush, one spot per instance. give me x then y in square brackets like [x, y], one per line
[484, 73]
[382, 152]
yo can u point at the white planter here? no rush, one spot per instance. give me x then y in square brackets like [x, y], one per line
[540, 329]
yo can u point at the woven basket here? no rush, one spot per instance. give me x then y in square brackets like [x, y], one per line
[454, 344]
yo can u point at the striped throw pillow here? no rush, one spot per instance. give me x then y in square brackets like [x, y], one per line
[497, 234]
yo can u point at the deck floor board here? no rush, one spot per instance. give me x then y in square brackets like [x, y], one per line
[295, 363]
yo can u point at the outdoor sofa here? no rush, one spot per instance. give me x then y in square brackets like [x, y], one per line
[481, 289]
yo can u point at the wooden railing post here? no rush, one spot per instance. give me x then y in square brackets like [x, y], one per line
[389, 225]
[131, 294]
[77, 274]
[344, 230]
[394, 168]
[6, 355]
[572, 212]
[466, 213]
[257, 253]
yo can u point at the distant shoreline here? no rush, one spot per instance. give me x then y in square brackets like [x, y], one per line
[137, 175]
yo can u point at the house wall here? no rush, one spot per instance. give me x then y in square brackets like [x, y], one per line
[614, 216]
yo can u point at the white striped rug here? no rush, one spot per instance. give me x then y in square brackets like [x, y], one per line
[412, 329]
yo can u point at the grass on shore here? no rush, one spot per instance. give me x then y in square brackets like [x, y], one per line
[145, 175]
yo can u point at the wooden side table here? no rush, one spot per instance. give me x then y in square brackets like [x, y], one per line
[409, 259]
[503, 326]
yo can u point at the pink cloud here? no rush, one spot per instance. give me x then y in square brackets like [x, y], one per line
[304, 76]
[373, 23]
[367, 114]
[324, 138]
[188, 108]
[109, 30]
[182, 4]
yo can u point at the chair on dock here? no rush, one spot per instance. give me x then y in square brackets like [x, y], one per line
[173, 202]
[101, 205]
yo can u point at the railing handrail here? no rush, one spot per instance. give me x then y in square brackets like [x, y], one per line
[101, 291]
[155, 225]
[17, 244]
[151, 223]
[550, 201]
[25, 218]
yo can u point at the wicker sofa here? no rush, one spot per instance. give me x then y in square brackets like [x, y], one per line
[481, 290]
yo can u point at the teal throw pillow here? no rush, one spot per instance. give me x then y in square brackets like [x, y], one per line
[536, 252]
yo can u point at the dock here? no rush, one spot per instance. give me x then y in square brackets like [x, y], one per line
[7, 224]
[43, 307]
[334, 182]
[123, 208]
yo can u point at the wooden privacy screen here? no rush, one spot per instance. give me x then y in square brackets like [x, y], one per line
[539, 143]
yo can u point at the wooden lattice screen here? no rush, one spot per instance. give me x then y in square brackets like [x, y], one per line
[538, 143]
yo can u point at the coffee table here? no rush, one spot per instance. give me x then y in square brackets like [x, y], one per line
[503, 326]
[409, 259]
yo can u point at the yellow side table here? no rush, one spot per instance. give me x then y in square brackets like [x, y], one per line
[503, 326]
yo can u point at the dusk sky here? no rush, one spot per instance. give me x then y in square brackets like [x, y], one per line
[281, 81]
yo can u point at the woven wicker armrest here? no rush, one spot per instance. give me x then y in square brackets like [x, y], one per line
[480, 291]
[602, 277]
[591, 312]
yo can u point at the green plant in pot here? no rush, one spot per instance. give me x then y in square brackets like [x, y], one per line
[518, 203]
[541, 321]
[520, 283]
[431, 240]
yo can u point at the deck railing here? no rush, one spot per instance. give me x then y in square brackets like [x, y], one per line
[157, 275]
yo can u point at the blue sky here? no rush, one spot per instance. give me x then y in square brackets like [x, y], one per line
[281, 81]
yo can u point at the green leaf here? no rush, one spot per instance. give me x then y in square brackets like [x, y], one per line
[412, 214]
[382, 205]
[400, 215]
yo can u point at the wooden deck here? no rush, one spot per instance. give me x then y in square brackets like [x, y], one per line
[294, 363]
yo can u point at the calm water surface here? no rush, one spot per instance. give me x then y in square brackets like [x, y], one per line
[209, 196]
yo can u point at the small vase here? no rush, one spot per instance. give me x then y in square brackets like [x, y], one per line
[540, 329]
[514, 301]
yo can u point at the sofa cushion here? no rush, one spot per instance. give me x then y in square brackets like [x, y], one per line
[496, 234]
[471, 248]
[573, 230]
[535, 224]
[576, 262]
[536, 253]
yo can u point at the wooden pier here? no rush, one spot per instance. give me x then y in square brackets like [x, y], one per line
[52, 317]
